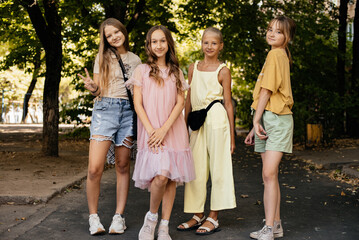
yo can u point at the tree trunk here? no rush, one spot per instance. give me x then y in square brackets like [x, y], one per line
[116, 9]
[49, 33]
[37, 65]
[51, 100]
[352, 113]
[342, 45]
[355, 68]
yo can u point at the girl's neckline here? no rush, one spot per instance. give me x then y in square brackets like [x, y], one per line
[208, 71]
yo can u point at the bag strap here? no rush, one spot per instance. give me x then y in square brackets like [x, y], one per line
[125, 78]
[211, 104]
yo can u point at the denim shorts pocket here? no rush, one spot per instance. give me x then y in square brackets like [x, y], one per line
[101, 105]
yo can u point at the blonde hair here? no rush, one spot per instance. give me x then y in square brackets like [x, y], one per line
[171, 58]
[287, 26]
[214, 30]
[105, 49]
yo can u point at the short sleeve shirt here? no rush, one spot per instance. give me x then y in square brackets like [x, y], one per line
[116, 85]
[275, 76]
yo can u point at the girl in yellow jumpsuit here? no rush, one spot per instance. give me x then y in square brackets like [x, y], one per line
[212, 144]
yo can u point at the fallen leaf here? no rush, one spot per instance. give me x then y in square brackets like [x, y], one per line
[342, 193]
[244, 196]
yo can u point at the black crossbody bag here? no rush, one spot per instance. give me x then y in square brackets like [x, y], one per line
[196, 118]
[125, 78]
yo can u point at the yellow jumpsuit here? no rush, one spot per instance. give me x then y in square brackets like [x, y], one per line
[210, 147]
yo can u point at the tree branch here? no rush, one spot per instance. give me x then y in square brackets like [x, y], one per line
[138, 12]
[52, 17]
[116, 9]
[38, 21]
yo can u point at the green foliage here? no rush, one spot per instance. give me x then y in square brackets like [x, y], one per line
[17, 33]
[82, 132]
[77, 110]
[244, 23]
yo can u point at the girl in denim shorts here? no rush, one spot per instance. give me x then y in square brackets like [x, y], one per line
[272, 132]
[112, 121]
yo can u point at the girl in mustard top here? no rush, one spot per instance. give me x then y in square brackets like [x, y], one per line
[272, 132]
[212, 144]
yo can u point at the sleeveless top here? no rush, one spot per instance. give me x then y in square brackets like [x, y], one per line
[205, 87]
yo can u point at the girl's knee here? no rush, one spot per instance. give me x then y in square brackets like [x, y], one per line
[94, 173]
[269, 175]
[161, 180]
[122, 167]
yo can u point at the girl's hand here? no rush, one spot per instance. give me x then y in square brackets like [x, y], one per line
[259, 130]
[250, 138]
[156, 138]
[89, 83]
[233, 146]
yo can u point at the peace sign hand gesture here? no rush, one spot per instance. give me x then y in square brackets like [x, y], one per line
[89, 83]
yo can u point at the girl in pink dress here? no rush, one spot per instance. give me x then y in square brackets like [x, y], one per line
[164, 158]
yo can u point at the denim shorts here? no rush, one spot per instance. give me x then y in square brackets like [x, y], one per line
[111, 120]
[279, 130]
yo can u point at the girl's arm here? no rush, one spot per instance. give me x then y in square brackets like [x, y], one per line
[91, 85]
[188, 107]
[159, 134]
[141, 113]
[264, 96]
[250, 138]
[226, 80]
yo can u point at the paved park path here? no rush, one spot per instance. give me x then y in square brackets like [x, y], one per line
[313, 207]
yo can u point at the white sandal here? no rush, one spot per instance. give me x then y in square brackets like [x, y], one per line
[208, 231]
[188, 228]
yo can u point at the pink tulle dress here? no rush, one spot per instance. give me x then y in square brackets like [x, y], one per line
[175, 161]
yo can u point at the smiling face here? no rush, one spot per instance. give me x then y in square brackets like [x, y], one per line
[114, 37]
[211, 44]
[275, 36]
[159, 44]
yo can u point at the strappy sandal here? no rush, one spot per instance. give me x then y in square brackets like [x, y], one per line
[188, 228]
[208, 231]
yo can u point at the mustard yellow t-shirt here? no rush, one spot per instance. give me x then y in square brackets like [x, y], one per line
[275, 76]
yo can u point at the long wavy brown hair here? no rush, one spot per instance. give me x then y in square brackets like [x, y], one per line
[105, 49]
[287, 26]
[171, 59]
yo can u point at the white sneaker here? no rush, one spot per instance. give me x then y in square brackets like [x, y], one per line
[118, 225]
[147, 231]
[266, 233]
[95, 225]
[163, 233]
[277, 230]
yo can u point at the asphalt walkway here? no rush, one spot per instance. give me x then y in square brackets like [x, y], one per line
[313, 206]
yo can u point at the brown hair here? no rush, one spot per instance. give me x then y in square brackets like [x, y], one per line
[105, 49]
[287, 27]
[171, 58]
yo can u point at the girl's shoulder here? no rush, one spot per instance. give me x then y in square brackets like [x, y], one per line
[191, 67]
[277, 53]
[224, 71]
[132, 55]
[143, 67]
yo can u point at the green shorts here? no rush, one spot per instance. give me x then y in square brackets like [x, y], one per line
[279, 130]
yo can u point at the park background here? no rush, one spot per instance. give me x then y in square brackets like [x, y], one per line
[44, 44]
